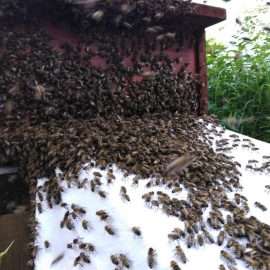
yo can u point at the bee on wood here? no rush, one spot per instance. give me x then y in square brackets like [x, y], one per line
[151, 258]
[85, 224]
[267, 188]
[85, 258]
[180, 164]
[115, 259]
[176, 190]
[174, 266]
[46, 244]
[39, 207]
[221, 267]
[208, 236]
[93, 185]
[102, 194]
[69, 245]
[69, 225]
[148, 196]
[190, 241]
[237, 198]
[137, 231]
[102, 214]
[109, 230]
[124, 260]
[260, 206]
[77, 209]
[40, 196]
[200, 239]
[180, 254]
[227, 257]
[221, 238]
[57, 259]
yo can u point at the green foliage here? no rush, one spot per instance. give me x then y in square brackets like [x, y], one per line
[239, 81]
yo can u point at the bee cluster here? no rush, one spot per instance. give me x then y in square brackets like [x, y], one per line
[57, 110]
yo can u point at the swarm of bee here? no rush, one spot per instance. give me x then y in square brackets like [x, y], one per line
[56, 111]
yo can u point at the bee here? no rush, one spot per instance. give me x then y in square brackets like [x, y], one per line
[208, 236]
[237, 198]
[137, 231]
[97, 15]
[69, 225]
[85, 258]
[69, 245]
[109, 230]
[46, 244]
[148, 196]
[102, 194]
[151, 258]
[39, 207]
[190, 241]
[102, 214]
[85, 224]
[227, 257]
[180, 254]
[260, 206]
[174, 266]
[77, 260]
[200, 239]
[40, 196]
[176, 190]
[221, 238]
[221, 267]
[231, 267]
[57, 259]
[115, 259]
[92, 185]
[180, 163]
[124, 259]
[267, 188]
[174, 236]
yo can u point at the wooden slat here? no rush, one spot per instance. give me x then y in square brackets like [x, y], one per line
[14, 227]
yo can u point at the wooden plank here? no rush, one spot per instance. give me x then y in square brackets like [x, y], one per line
[14, 227]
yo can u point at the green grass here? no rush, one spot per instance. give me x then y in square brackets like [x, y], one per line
[239, 82]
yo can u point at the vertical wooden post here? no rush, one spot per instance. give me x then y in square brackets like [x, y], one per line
[201, 69]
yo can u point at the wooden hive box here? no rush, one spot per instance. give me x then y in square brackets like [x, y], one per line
[192, 52]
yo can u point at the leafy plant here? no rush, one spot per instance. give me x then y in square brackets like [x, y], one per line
[239, 80]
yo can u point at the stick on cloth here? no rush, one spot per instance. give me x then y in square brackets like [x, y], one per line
[180, 164]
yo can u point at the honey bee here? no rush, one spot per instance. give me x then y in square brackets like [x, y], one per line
[267, 188]
[180, 163]
[190, 241]
[69, 245]
[151, 258]
[237, 198]
[174, 266]
[77, 209]
[176, 190]
[40, 196]
[148, 196]
[97, 174]
[57, 259]
[260, 206]
[69, 225]
[39, 207]
[200, 239]
[221, 238]
[124, 259]
[102, 214]
[180, 254]
[221, 267]
[227, 257]
[85, 224]
[208, 236]
[109, 230]
[102, 194]
[46, 244]
[93, 186]
[85, 258]
[115, 259]
[137, 231]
